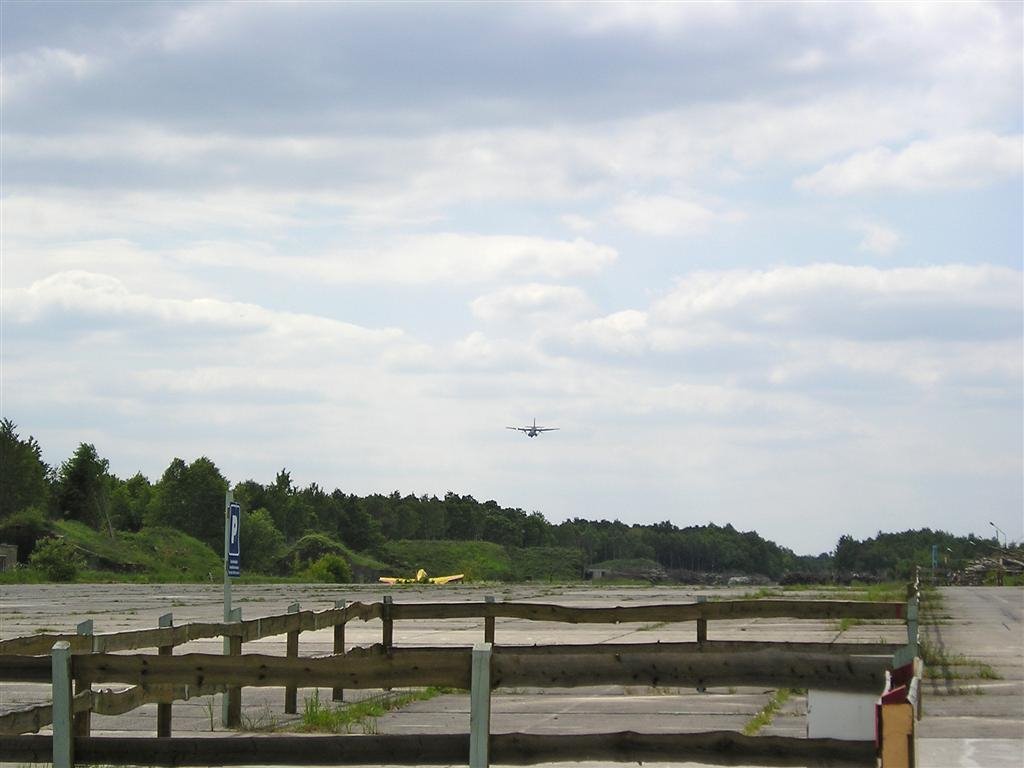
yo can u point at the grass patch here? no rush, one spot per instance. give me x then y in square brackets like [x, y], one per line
[478, 560]
[940, 665]
[264, 720]
[761, 594]
[551, 565]
[767, 713]
[152, 555]
[320, 717]
[846, 622]
[656, 625]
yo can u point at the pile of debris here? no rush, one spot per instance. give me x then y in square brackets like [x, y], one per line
[986, 569]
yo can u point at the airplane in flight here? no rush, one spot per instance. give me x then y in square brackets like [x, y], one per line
[533, 430]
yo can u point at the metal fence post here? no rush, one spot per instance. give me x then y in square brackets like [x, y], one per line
[231, 713]
[291, 692]
[480, 706]
[489, 622]
[163, 710]
[63, 703]
[83, 720]
[338, 694]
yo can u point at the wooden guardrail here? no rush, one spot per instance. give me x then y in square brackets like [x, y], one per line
[91, 660]
[306, 621]
[639, 664]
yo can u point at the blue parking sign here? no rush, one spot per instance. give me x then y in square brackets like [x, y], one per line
[234, 539]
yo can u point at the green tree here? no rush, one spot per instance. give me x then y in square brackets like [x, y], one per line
[190, 497]
[129, 501]
[261, 543]
[23, 474]
[291, 513]
[83, 489]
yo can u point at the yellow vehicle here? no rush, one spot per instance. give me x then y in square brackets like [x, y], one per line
[422, 578]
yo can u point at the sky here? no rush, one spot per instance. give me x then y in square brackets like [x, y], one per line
[761, 263]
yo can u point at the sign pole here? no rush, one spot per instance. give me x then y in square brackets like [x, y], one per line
[229, 502]
[229, 499]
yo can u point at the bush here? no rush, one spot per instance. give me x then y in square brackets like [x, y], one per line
[313, 546]
[57, 559]
[330, 569]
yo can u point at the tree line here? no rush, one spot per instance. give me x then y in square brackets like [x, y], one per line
[278, 515]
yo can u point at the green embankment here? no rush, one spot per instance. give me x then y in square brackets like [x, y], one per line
[153, 554]
[484, 561]
[478, 560]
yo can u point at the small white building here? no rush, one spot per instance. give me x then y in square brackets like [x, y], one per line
[8, 557]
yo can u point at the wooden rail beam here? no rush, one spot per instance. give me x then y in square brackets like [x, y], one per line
[525, 667]
[684, 664]
[711, 747]
[24, 669]
[270, 626]
[360, 668]
[676, 612]
[715, 748]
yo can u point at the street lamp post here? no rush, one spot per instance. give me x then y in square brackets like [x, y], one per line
[999, 573]
[998, 531]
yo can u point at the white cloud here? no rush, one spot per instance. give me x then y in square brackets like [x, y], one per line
[534, 302]
[658, 19]
[970, 160]
[577, 223]
[785, 293]
[27, 71]
[877, 238]
[73, 215]
[100, 300]
[666, 215]
[825, 323]
[448, 258]
[624, 332]
[810, 60]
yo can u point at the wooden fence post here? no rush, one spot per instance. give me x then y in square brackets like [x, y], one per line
[291, 692]
[702, 634]
[232, 710]
[163, 711]
[83, 720]
[63, 702]
[480, 707]
[489, 623]
[912, 629]
[702, 623]
[387, 638]
[388, 629]
[338, 694]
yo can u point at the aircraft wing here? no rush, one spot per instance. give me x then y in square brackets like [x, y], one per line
[447, 579]
[519, 429]
[547, 429]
